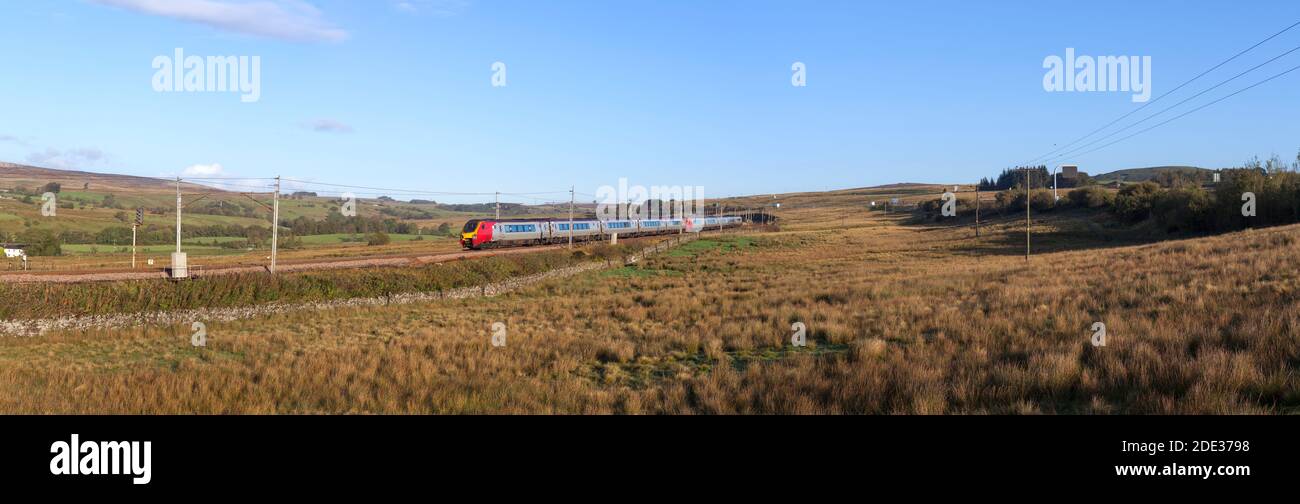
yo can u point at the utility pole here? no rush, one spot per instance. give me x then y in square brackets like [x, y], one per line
[1055, 197]
[180, 263]
[1027, 222]
[178, 215]
[571, 196]
[135, 225]
[275, 224]
[977, 211]
[498, 205]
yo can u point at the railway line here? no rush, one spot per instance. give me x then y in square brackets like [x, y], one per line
[198, 271]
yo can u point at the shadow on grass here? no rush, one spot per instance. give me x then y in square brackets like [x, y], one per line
[1056, 231]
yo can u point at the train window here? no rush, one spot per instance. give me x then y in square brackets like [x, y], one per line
[470, 226]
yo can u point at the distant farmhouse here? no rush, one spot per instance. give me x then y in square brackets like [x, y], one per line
[14, 250]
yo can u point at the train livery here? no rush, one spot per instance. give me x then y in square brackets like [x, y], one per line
[481, 234]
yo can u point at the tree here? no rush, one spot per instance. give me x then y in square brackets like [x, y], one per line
[1134, 202]
[444, 229]
[1091, 197]
[42, 243]
[121, 216]
[378, 238]
[53, 187]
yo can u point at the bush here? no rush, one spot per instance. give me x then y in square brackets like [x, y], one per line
[1042, 200]
[1133, 203]
[1013, 201]
[1091, 197]
[378, 238]
[42, 243]
[1186, 209]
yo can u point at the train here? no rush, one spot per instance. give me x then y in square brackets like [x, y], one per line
[479, 234]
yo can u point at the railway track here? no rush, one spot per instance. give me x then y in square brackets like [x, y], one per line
[284, 267]
[197, 271]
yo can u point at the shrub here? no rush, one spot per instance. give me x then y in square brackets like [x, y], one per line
[1091, 197]
[42, 243]
[1042, 200]
[378, 238]
[1133, 203]
[1013, 201]
[1186, 209]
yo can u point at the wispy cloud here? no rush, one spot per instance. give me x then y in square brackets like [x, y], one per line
[13, 139]
[67, 159]
[327, 126]
[441, 8]
[204, 170]
[292, 20]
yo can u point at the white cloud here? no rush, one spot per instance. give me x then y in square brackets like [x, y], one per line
[292, 20]
[327, 126]
[13, 139]
[201, 171]
[67, 160]
[441, 8]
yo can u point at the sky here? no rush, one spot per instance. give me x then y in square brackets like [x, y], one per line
[400, 94]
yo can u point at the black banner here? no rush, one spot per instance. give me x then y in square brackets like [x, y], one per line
[323, 454]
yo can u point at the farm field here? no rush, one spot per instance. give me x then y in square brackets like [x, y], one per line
[900, 317]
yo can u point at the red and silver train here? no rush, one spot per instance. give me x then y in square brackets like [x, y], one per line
[480, 234]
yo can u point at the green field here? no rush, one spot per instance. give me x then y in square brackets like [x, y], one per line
[339, 239]
[146, 249]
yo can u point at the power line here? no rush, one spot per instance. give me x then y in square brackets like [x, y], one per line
[1176, 105]
[422, 192]
[1147, 104]
[1197, 109]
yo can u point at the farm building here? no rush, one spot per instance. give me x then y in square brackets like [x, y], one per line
[13, 250]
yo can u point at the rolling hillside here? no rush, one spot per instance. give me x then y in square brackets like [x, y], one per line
[1134, 175]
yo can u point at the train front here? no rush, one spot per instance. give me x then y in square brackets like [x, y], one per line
[475, 234]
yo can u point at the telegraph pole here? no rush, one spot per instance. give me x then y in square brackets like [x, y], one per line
[275, 224]
[178, 215]
[498, 205]
[1027, 222]
[139, 221]
[571, 197]
[977, 211]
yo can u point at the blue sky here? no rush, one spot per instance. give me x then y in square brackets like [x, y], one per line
[398, 94]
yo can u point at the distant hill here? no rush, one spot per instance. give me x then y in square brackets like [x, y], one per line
[1145, 174]
[31, 177]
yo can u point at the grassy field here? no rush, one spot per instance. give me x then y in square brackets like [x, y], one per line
[900, 318]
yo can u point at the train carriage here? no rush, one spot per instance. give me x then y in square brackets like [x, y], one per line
[582, 230]
[492, 233]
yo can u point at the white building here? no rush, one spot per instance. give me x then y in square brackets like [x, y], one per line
[13, 250]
